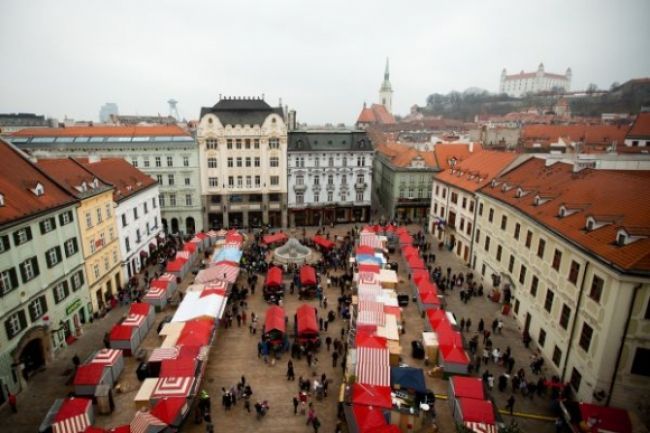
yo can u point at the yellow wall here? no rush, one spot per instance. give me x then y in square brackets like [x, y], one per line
[107, 257]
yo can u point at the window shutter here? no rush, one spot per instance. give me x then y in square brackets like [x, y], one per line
[81, 278]
[61, 218]
[5, 242]
[76, 245]
[53, 221]
[16, 238]
[10, 334]
[29, 237]
[43, 301]
[66, 289]
[58, 254]
[42, 226]
[22, 318]
[35, 265]
[32, 310]
[14, 279]
[23, 275]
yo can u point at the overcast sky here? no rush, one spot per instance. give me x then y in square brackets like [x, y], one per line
[323, 58]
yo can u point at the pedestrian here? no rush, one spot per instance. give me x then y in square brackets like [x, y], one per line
[462, 324]
[290, 373]
[315, 423]
[209, 427]
[295, 405]
[481, 325]
[495, 323]
[243, 317]
[328, 342]
[11, 398]
[238, 320]
[335, 357]
[247, 405]
[500, 327]
[511, 404]
[311, 414]
[468, 324]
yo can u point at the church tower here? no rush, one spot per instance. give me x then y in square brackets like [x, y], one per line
[386, 91]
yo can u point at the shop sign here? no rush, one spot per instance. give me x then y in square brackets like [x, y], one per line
[73, 307]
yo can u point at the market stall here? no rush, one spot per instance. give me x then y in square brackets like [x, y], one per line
[183, 367]
[167, 282]
[372, 366]
[196, 332]
[139, 323]
[89, 376]
[273, 285]
[370, 395]
[179, 267]
[465, 387]
[275, 326]
[323, 243]
[171, 410]
[471, 411]
[113, 359]
[156, 297]
[205, 304]
[172, 387]
[366, 419]
[125, 338]
[307, 325]
[223, 270]
[308, 282]
[275, 239]
[74, 416]
[145, 422]
[230, 254]
[454, 360]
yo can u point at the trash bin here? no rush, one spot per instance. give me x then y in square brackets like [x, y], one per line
[142, 371]
[417, 350]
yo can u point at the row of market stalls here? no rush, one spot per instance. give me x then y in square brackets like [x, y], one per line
[132, 330]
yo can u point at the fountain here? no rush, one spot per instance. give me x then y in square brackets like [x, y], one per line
[293, 252]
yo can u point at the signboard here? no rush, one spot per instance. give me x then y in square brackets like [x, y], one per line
[73, 307]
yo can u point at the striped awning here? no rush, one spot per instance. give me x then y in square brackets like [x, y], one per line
[369, 292]
[173, 387]
[136, 320]
[373, 366]
[368, 278]
[229, 272]
[370, 240]
[74, 416]
[184, 255]
[144, 422]
[167, 277]
[107, 356]
[161, 353]
[155, 293]
[371, 313]
[480, 427]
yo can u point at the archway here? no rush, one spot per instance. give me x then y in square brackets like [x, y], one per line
[189, 225]
[164, 224]
[174, 225]
[32, 356]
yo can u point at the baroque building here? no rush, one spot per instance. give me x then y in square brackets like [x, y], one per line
[534, 82]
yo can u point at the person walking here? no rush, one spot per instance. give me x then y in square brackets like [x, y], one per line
[11, 399]
[462, 324]
[510, 406]
[335, 357]
[296, 402]
[481, 325]
[311, 414]
[328, 342]
[468, 324]
[290, 373]
[315, 423]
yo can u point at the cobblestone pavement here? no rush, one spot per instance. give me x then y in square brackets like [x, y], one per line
[235, 354]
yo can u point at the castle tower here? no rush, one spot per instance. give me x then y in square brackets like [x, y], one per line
[386, 91]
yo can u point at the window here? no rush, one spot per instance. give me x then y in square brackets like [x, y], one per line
[146, 208]
[565, 315]
[8, 281]
[330, 179]
[478, 235]
[300, 198]
[522, 274]
[37, 308]
[330, 196]
[330, 161]
[66, 218]
[161, 198]
[15, 323]
[491, 215]
[96, 270]
[71, 247]
[533, 285]
[274, 143]
[574, 271]
[576, 378]
[274, 161]
[153, 202]
[258, 181]
[557, 356]
[159, 179]
[540, 248]
[231, 181]
[213, 182]
[158, 162]
[229, 143]
[300, 180]
[230, 162]
[53, 256]
[444, 192]
[469, 228]
[359, 196]
[47, 225]
[134, 162]
[127, 244]
[22, 236]
[238, 143]
[170, 161]
[557, 259]
[240, 181]
[247, 143]
[188, 181]
[641, 362]
[60, 292]
[596, 288]
[172, 200]
[300, 161]
[239, 161]
[517, 230]
[248, 161]
[146, 162]
[275, 180]
[454, 198]
[361, 161]
[504, 222]
[188, 199]
[542, 338]
[487, 243]
[256, 161]
[548, 302]
[529, 238]
[99, 215]
[464, 202]
[499, 251]
[135, 213]
[170, 179]
[186, 161]
[511, 263]
[585, 337]
[211, 143]
[316, 197]
[344, 180]
[345, 161]
[212, 162]
[471, 205]
[77, 281]
[256, 143]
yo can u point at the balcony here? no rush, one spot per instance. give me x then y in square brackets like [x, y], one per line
[360, 186]
[330, 187]
[300, 188]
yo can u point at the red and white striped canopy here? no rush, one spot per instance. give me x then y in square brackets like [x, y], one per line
[107, 356]
[136, 320]
[173, 387]
[368, 278]
[226, 271]
[73, 416]
[184, 255]
[161, 353]
[371, 313]
[370, 239]
[144, 422]
[369, 292]
[373, 366]
[167, 277]
[155, 293]
[480, 427]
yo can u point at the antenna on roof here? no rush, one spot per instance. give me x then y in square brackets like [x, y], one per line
[173, 111]
[262, 96]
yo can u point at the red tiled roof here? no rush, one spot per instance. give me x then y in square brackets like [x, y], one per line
[521, 75]
[17, 177]
[589, 134]
[126, 179]
[401, 155]
[376, 113]
[641, 127]
[69, 174]
[103, 131]
[477, 170]
[458, 151]
[599, 192]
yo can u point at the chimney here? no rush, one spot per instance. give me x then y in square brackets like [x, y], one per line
[292, 120]
[471, 146]
[93, 158]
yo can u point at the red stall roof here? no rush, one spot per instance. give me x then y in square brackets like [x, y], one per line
[121, 332]
[427, 286]
[196, 333]
[169, 409]
[409, 250]
[369, 267]
[161, 284]
[364, 249]
[610, 418]
[325, 243]
[140, 308]
[306, 316]
[371, 395]
[416, 262]
[72, 407]
[469, 387]
[454, 354]
[367, 338]
[185, 367]
[234, 236]
[429, 298]
[175, 265]
[275, 237]
[476, 410]
[274, 319]
[89, 374]
[368, 418]
[435, 317]
[307, 275]
[419, 275]
[274, 277]
[189, 246]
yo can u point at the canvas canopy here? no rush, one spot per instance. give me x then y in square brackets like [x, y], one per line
[416, 262]
[125, 338]
[197, 332]
[408, 378]
[368, 418]
[145, 422]
[206, 304]
[177, 266]
[74, 416]
[111, 358]
[170, 410]
[274, 238]
[364, 250]
[365, 338]
[274, 320]
[185, 254]
[172, 387]
[223, 270]
[419, 275]
[454, 359]
[233, 236]
[190, 246]
[371, 395]
[472, 410]
[274, 277]
[373, 366]
[139, 322]
[323, 242]
[369, 267]
[307, 323]
[89, 376]
[610, 419]
[178, 368]
[231, 254]
[307, 275]
[466, 387]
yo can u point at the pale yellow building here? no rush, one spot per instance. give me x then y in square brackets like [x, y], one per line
[97, 226]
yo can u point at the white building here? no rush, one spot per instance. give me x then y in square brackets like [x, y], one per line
[137, 213]
[534, 82]
[243, 154]
[107, 111]
[329, 177]
[574, 250]
[166, 153]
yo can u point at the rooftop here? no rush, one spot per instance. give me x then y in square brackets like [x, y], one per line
[103, 131]
[242, 111]
[403, 156]
[126, 179]
[477, 170]
[328, 140]
[376, 113]
[598, 192]
[641, 126]
[21, 196]
[603, 135]
[73, 176]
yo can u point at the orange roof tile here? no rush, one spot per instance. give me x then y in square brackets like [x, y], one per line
[477, 170]
[401, 155]
[598, 192]
[376, 113]
[125, 178]
[17, 177]
[70, 174]
[641, 126]
[102, 131]
[589, 134]
[457, 151]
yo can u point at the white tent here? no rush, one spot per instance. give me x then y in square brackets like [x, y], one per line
[200, 304]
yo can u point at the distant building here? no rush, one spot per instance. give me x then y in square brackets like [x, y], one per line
[329, 177]
[638, 137]
[138, 120]
[386, 91]
[534, 82]
[106, 111]
[10, 123]
[379, 114]
[572, 138]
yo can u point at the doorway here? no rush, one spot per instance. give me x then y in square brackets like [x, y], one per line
[33, 357]
[190, 227]
[174, 225]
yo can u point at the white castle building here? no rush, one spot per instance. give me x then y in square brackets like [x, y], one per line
[533, 82]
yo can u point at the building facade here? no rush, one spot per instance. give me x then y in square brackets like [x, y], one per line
[97, 227]
[137, 212]
[43, 291]
[166, 153]
[453, 200]
[243, 156]
[329, 177]
[638, 137]
[576, 262]
[534, 82]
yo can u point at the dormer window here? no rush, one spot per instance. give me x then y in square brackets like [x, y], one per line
[95, 183]
[2, 200]
[562, 212]
[622, 238]
[494, 183]
[505, 187]
[38, 190]
[520, 192]
[590, 224]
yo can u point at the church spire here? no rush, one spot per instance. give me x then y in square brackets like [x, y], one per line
[386, 90]
[386, 73]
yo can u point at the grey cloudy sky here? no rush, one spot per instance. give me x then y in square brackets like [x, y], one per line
[322, 58]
